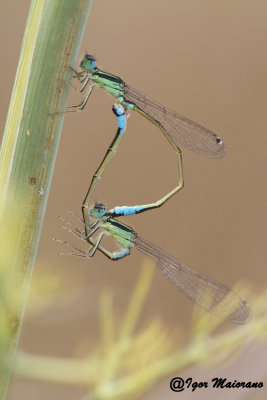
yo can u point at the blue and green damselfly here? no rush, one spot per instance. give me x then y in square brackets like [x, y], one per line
[177, 129]
[206, 292]
[98, 223]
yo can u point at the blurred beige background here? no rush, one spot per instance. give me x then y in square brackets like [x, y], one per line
[207, 60]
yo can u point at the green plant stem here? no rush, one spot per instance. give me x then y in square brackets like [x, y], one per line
[50, 46]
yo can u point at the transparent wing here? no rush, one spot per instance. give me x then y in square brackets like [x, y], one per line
[183, 131]
[209, 294]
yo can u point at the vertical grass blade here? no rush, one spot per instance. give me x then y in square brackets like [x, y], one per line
[50, 46]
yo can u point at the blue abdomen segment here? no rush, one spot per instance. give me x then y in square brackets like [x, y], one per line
[120, 254]
[121, 122]
[120, 115]
[125, 210]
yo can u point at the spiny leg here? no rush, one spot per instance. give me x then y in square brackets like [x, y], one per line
[85, 80]
[92, 232]
[81, 235]
[80, 107]
[100, 237]
[92, 228]
[95, 244]
[81, 76]
[80, 253]
[75, 232]
[90, 252]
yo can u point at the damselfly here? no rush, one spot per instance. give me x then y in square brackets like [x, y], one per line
[213, 296]
[206, 292]
[177, 129]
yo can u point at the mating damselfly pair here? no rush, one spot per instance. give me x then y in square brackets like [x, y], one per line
[98, 222]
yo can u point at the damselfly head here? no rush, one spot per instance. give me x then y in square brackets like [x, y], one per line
[98, 210]
[88, 63]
